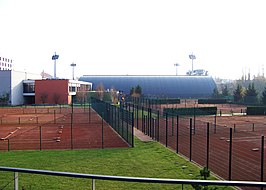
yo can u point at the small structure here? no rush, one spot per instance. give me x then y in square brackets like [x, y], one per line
[53, 91]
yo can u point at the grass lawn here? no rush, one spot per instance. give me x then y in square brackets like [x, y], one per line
[147, 159]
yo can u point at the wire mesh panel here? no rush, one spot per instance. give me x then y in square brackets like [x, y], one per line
[71, 127]
[119, 118]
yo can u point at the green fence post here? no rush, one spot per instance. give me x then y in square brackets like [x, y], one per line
[208, 145]
[230, 155]
[158, 125]
[137, 116]
[190, 139]
[54, 117]
[8, 145]
[262, 160]
[132, 132]
[177, 133]
[166, 130]
[102, 131]
[40, 128]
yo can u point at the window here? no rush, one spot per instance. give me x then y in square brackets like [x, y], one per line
[73, 89]
[28, 88]
[11, 61]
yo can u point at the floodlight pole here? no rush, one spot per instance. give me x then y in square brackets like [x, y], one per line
[55, 57]
[192, 57]
[176, 65]
[73, 65]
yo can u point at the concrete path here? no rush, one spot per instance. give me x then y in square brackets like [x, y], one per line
[141, 136]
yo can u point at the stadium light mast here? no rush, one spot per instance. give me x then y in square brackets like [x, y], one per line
[55, 57]
[73, 65]
[176, 65]
[192, 57]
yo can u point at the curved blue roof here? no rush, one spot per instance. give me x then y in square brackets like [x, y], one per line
[159, 85]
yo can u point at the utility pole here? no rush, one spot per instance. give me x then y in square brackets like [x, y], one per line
[55, 57]
[192, 57]
[176, 65]
[73, 65]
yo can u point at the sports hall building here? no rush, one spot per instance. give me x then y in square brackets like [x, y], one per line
[169, 86]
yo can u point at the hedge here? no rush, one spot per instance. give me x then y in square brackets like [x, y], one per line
[191, 111]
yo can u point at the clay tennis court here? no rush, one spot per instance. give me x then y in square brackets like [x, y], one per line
[51, 128]
[246, 141]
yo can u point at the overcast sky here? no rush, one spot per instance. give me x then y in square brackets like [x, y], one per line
[132, 37]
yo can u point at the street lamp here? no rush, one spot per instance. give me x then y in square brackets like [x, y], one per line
[55, 57]
[73, 65]
[192, 57]
[176, 65]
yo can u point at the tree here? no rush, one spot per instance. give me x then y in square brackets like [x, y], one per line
[100, 91]
[136, 91]
[263, 97]
[251, 94]
[251, 91]
[215, 93]
[56, 98]
[43, 97]
[4, 99]
[114, 95]
[81, 97]
[132, 91]
[225, 91]
[238, 93]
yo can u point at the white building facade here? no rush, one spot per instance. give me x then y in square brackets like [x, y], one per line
[6, 63]
[11, 86]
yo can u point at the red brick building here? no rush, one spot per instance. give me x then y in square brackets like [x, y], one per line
[54, 91]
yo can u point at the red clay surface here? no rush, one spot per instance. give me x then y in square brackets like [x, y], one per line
[50, 128]
[246, 151]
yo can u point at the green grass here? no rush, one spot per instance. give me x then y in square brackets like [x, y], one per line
[147, 159]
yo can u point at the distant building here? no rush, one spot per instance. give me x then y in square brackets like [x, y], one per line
[5, 63]
[55, 91]
[197, 72]
[18, 88]
[157, 85]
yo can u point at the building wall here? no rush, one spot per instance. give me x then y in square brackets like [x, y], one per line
[17, 85]
[12, 82]
[5, 83]
[55, 91]
[5, 63]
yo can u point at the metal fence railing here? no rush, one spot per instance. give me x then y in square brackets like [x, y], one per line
[55, 127]
[233, 152]
[119, 118]
[94, 177]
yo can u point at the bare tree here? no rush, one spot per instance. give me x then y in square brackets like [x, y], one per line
[100, 91]
[136, 91]
[114, 96]
[56, 98]
[81, 97]
[43, 97]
